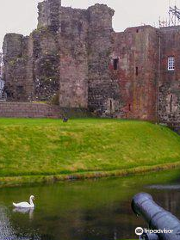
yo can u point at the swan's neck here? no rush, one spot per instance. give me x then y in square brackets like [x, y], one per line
[31, 202]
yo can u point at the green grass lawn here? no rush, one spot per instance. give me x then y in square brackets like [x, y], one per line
[51, 147]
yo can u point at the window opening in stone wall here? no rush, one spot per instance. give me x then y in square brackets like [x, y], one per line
[115, 63]
[80, 28]
[171, 103]
[129, 107]
[110, 106]
[171, 63]
[137, 71]
[20, 89]
[137, 30]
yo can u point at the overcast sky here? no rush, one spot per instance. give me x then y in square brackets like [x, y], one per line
[20, 16]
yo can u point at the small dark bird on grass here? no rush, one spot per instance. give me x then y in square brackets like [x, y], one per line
[65, 119]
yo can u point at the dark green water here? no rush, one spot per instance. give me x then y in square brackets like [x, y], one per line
[85, 210]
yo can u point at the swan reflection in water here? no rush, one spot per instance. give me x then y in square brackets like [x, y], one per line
[25, 211]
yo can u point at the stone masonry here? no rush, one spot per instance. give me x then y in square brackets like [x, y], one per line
[75, 55]
[29, 110]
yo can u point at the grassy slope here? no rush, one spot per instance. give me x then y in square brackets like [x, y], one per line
[49, 147]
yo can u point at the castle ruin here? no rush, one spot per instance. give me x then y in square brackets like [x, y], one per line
[75, 55]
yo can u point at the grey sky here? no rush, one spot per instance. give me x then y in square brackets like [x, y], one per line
[20, 16]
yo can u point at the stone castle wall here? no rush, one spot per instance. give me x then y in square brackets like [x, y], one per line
[49, 15]
[18, 69]
[137, 53]
[29, 110]
[75, 55]
[73, 58]
[101, 88]
[32, 63]
[169, 84]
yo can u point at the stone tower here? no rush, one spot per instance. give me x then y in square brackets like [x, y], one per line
[32, 63]
[86, 43]
[102, 89]
[73, 58]
[49, 14]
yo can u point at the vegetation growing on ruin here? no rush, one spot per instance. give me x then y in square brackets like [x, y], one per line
[55, 99]
[40, 29]
[44, 149]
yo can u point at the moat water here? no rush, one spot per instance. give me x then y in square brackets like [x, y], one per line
[85, 210]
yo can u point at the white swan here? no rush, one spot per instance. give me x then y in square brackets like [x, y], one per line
[25, 204]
